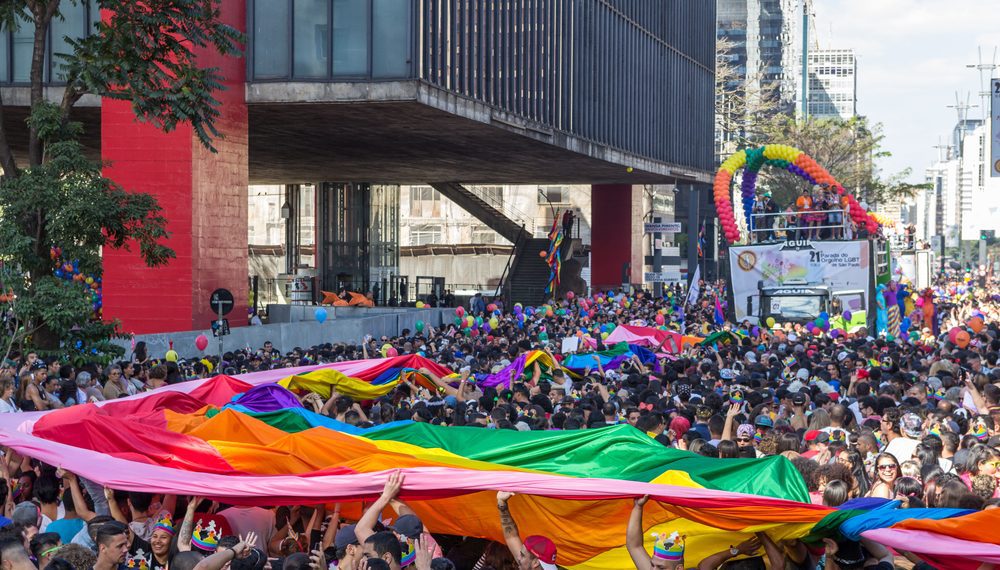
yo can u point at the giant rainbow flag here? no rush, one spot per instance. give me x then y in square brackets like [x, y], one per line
[247, 440]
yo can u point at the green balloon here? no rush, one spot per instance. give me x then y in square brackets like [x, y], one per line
[543, 336]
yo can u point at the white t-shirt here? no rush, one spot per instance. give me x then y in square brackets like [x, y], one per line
[8, 407]
[902, 448]
[245, 519]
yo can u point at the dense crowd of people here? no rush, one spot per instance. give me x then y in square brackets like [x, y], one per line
[914, 419]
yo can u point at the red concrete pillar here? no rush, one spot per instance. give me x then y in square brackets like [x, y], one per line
[204, 198]
[613, 241]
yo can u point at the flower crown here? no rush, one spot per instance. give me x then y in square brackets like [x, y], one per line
[668, 546]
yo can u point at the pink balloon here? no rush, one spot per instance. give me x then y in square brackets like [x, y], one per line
[201, 342]
[570, 295]
[460, 311]
[659, 319]
[391, 351]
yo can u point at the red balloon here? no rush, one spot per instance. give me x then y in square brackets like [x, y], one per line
[953, 333]
[962, 339]
[201, 342]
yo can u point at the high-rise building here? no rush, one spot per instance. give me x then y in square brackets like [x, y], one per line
[833, 86]
[766, 42]
[944, 219]
[980, 208]
[763, 45]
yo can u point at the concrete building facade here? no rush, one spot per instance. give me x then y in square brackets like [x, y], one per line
[358, 97]
[833, 86]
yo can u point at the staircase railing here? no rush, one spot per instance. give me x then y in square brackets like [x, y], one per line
[527, 221]
[521, 237]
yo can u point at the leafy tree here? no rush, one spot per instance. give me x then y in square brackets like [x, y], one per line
[849, 149]
[144, 53]
[744, 103]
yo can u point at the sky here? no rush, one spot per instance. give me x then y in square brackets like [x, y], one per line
[912, 57]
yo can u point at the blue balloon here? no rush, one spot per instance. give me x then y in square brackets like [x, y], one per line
[497, 312]
[320, 315]
[825, 316]
[58, 273]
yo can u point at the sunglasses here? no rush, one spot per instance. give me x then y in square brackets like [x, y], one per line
[744, 439]
[887, 467]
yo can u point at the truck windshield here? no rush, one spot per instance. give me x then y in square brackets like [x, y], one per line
[801, 307]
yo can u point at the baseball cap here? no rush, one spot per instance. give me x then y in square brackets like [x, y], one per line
[39, 365]
[817, 436]
[910, 425]
[345, 537]
[408, 526]
[543, 549]
[764, 421]
[26, 513]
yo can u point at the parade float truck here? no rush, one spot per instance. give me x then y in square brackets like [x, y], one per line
[796, 281]
[774, 274]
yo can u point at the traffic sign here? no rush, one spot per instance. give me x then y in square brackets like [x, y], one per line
[664, 227]
[221, 301]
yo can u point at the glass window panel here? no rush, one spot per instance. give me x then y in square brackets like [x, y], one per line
[350, 37]
[95, 14]
[270, 42]
[71, 25]
[312, 37]
[4, 56]
[390, 38]
[24, 39]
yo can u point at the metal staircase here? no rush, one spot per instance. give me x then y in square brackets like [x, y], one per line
[524, 278]
[496, 217]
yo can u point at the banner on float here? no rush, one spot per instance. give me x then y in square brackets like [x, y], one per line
[838, 264]
[995, 127]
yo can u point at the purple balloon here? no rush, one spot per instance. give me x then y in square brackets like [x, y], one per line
[835, 333]
[847, 316]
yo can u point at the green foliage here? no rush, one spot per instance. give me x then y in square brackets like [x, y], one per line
[144, 54]
[848, 149]
[66, 202]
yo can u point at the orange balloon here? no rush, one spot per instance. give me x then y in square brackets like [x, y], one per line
[976, 324]
[962, 339]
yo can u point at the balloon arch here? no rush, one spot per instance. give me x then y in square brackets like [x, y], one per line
[776, 156]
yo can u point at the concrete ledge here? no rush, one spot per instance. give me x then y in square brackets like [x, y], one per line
[21, 97]
[344, 324]
[331, 92]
